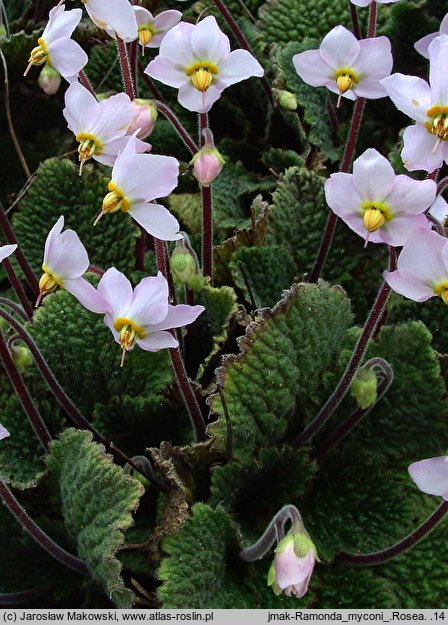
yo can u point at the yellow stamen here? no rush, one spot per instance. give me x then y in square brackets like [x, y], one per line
[344, 83]
[201, 74]
[114, 201]
[438, 124]
[373, 219]
[129, 333]
[88, 146]
[442, 291]
[145, 33]
[48, 283]
[38, 56]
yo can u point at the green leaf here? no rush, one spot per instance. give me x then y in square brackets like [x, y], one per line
[58, 190]
[97, 504]
[281, 365]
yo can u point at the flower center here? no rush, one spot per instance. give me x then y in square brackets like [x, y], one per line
[442, 291]
[114, 201]
[201, 74]
[129, 333]
[48, 283]
[39, 54]
[438, 125]
[145, 33]
[346, 79]
[88, 146]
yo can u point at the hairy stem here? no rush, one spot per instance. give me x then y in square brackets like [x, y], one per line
[24, 265]
[274, 532]
[14, 307]
[372, 19]
[36, 421]
[86, 82]
[344, 383]
[33, 530]
[328, 234]
[379, 557]
[243, 43]
[355, 20]
[18, 288]
[155, 92]
[183, 134]
[357, 415]
[207, 211]
[125, 68]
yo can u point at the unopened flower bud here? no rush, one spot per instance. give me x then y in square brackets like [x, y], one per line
[293, 565]
[364, 388]
[49, 80]
[286, 99]
[207, 165]
[196, 283]
[182, 264]
[22, 357]
[144, 118]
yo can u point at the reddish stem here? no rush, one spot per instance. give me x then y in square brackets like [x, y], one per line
[25, 266]
[86, 82]
[372, 19]
[18, 288]
[183, 134]
[207, 213]
[355, 20]
[125, 68]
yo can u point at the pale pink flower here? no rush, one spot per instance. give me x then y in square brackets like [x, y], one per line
[55, 48]
[152, 30]
[293, 565]
[65, 262]
[137, 180]
[431, 476]
[141, 316]
[439, 210]
[422, 269]
[7, 250]
[346, 66]
[425, 143]
[422, 44]
[115, 15]
[196, 59]
[100, 127]
[207, 165]
[378, 205]
[49, 80]
[3, 433]
[366, 3]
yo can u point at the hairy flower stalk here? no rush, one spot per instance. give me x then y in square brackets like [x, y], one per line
[207, 208]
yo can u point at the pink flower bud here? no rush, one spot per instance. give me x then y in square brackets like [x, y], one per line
[49, 80]
[293, 565]
[144, 118]
[207, 165]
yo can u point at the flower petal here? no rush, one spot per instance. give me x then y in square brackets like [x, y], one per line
[157, 341]
[422, 44]
[418, 151]
[61, 23]
[397, 231]
[374, 59]
[422, 256]
[199, 101]
[166, 20]
[407, 284]
[3, 433]
[87, 295]
[438, 70]
[67, 57]
[115, 14]
[342, 196]
[117, 291]
[156, 220]
[410, 196]
[410, 94]
[7, 250]
[177, 317]
[239, 65]
[431, 475]
[176, 45]
[65, 255]
[312, 69]
[439, 210]
[145, 177]
[167, 72]
[81, 108]
[114, 118]
[208, 42]
[339, 48]
[373, 175]
[52, 239]
[371, 89]
[150, 302]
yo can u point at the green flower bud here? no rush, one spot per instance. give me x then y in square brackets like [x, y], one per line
[364, 388]
[182, 264]
[22, 357]
[49, 80]
[197, 283]
[286, 99]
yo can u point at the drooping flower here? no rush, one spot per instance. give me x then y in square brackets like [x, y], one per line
[137, 180]
[55, 48]
[439, 210]
[378, 205]
[3, 433]
[293, 565]
[365, 3]
[152, 30]
[422, 269]
[141, 316]
[431, 476]
[65, 262]
[7, 250]
[426, 142]
[100, 127]
[196, 59]
[346, 66]
[422, 44]
[115, 15]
